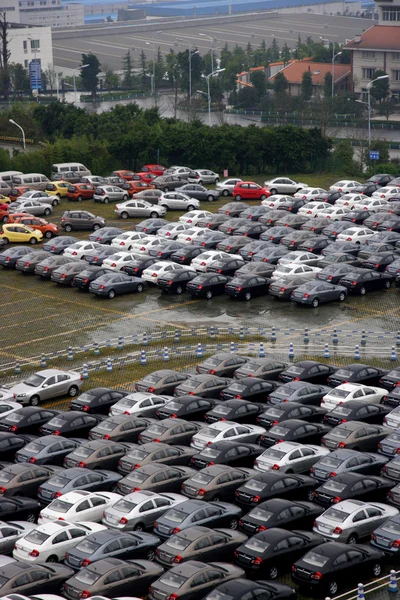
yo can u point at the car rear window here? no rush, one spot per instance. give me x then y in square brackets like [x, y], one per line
[35, 447]
[221, 409]
[334, 486]
[137, 477]
[88, 546]
[255, 486]
[344, 373]
[124, 506]
[202, 478]
[87, 577]
[209, 432]
[83, 452]
[274, 412]
[173, 580]
[60, 506]
[5, 477]
[330, 461]
[340, 433]
[272, 453]
[157, 429]
[176, 516]
[333, 514]
[336, 393]
[36, 537]
[178, 543]
[257, 545]
[138, 454]
[391, 527]
[210, 452]
[280, 430]
[295, 370]
[107, 426]
[260, 514]
[315, 559]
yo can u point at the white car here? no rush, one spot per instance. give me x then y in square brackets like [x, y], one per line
[308, 193]
[80, 249]
[189, 236]
[139, 208]
[290, 457]
[393, 418]
[345, 185]
[138, 403]
[125, 241]
[172, 230]
[299, 257]
[80, 505]
[226, 187]
[116, 261]
[202, 261]
[178, 201]
[355, 234]
[275, 200]
[349, 200]
[7, 406]
[146, 244]
[206, 176]
[284, 185]
[40, 196]
[50, 542]
[386, 192]
[194, 216]
[159, 269]
[372, 204]
[6, 395]
[226, 431]
[139, 510]
[303, 271]
[312, 209]
[334, 213]
[352, 391]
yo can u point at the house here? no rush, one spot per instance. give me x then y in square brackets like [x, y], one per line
[294, 75]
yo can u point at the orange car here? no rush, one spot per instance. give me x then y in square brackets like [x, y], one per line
[146, 177]
[12, 218]
[127, 175]
[3, 215]
[18, 191]
[80, 191]
[134, 187]
[49, 230]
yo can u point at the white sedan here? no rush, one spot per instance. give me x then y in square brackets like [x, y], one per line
[146, 244]
[116, 261]
[386, 192]
[226, 186]
[194, 216]
[137, 403]
[309, 193]
[178, 201]
[202, 261]
[158, 269]
[125, 241]
[359, 235]
[189, 236]
[349, 200]
[283, 185]
[334, 213]
[345, 185]
[8, 406]
[226, 431]
[352, 391]
[6, 395]
[371, 204]
[392, 420]
[304, 271]
[276, 200]
[172, 230]
[80, 249]
[312, 209]
[50, 542]
[290, 457]
[299, 257]
[80, 505]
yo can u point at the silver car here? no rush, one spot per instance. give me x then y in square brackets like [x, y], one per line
[139, 208]
[284, 185]
[45, 385]
[40, 197]
[290, 457]
[226, 186]
[207, 176]
[351, 520]
[139, 510]
[178, 201]
[32, 207]
[107, 193]
[11, 532]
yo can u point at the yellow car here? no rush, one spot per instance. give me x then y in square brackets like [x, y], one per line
[14, 232]
[4, 199]
[57, 188]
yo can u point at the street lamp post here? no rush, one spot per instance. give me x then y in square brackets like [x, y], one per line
[212, 74]
[153, 78]
[334, 57]
[74, 77]
[190, 71]
[368, 103]
[209, 37]
[23, 132]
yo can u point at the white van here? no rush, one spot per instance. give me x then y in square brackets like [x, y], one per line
[58, 170]
[7, 176]
[36, 181]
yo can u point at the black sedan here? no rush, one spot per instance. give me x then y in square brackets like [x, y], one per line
[165, 248]
[225, 266]
[9, 257]
[265, 486]
[232, 244]
[390, 224]
[58, 245]
[247, 388]
[207, 285]
[233, 209]
[176, 282]
[315, 244]
[233, 454]
[251, 249]
[274, 415]
[97, 400]
[342, 246]
[28, 262]
[349, 486]
[105, 235]
[136, 266]
[329, 197]
[292, 204]
[246, 287]
[217, 482]
[187, 254]
[379, 262]
[151, 226]
[356, 373]
[83, 279]
[271, 217]
[357, 410]
[194, 190]
[213, 221]
[254, 212]
[334, 272]
[283, 288]
[307, 370]
[363, 281]
[294, 240]
[230, 227]
[392, 269]
[357, 216]
[209, 240]
[251, 230]
[97, 256]
[155, 477]
[242, 589]
[113, 283]
[390, 380]
[10, 443]
[293, 221]
[271, 552]
[355, 435]
[333, 230]
[280, 512]
[294, 430]
[27, 419]
[375, 248]
[271, 255]
[314, 293]
[338, 258]
[186, 407]
[80, 478]
[261, 269]
[379, 218]
[19, 578]
[120, 428]
[155, 452]
[23, 509]
[316, 225]
[239, 411]
[95, 454]
[276, 233]
[47, 450]
[367, 188]
[64, 275]
[70, 424]
[298, 391]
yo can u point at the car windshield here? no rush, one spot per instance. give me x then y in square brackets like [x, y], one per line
[202, 478]
[334, 486]
[314, 559]
[280, 430]
[210, 452]
[88, 546]
[257, 545]
[59, 481]
[272, 453]
[336, 393]
[340, 433]
[36, 537]
[34, 380]
[255, 486]
[210, 432]
[172, 579]
[3, 581]
[87, 577]
[157, 429]
[178, 543]
[218, 595]
[391, 527]
[60, 506]
[176, 516]
[334, 514]
[344, 373]
[260, 514]
[395, 437]
[35, 447]
[330, 461]
[83, 452]
[125, 506]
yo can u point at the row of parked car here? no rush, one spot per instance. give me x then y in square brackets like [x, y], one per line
[262, 465]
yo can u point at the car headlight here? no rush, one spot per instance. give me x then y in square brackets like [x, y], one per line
[21, 395]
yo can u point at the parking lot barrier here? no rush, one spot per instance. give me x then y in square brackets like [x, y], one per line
[233, 348]
[273, 335]
[326, 351]
[363, 338]
[398, 339]
[392, 587]
[199, 351]
[291, 351]
[108, 344]
[109, 367]
[17, 368]
[85, 374]
[360, 592]
[335, 339]
[143, 359]
[393, 355]
[70, 354]
[145, 341]
[306, 337]
[43, 361]
[261, 352]
[241, 334]
[120, 345]
[357, 353]
[166, 354]
[177, 336]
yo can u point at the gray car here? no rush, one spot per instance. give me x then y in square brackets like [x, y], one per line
[347, 461]
[139, 208]
[151, 196]
[32, 207]
[155, 477]
[194, 190]
[226, 187]
[109, 193]
[40, 196]
[178, 201]
[207, 176]
[314, 293]
[47, 384]
[283, 185]
[158, 452]
[168, 182]
[12, 531]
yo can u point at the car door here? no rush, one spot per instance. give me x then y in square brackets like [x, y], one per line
[113, 584]
[360, 522]
[82, 511]
[58, 545]
[150, 510]
[21, 584]
[49, 386]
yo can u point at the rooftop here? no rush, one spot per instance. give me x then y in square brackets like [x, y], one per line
[294, 71]
[377, 37]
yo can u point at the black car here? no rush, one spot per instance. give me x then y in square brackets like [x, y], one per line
[77, 478]
[271, 217]
[282, 288]
[194, 190]
[120, 428]
[233, 454]
[329, 197]
[165, 248]
[28, 262]
[18, 578]
[392, 269]
[272, 484]
[105, 235]
[233, 209]
[379, 262]
[239, 411]
[259, 269]
[70, 424]
[271, 552]
[83, 279]
[343, 461]
[381, 179]
[163, 381]
[204, 385]
[315, 244]
[209, 240]
[98, 255]
[251, 230]
[186, 407]
[293, 221]
[136, 266]
[298, 391]
[95, 454]
[357, 410]
[155, 477]
[393, 397]
[18, 507]
[292, 241]
[276, 233]
[307, 370]
[151, 226]
[247, 388]
[333, 230]
[357, 216]
[65, 274]
[246, 287]
[27, 419]
[225, 266]
[333, 565]
[232, 244]
[284, 411]
[280, 512]
[46, 449]
[213, 221]
[155, 452]
[217, 482]
[58, 245]
[175, 282]
[316, 225]
[271, 255]
[342, 247]
[390, 380]
[97, 400]
[339, 259]
[24, 479]
[363, 281]
[334, 272]
[294, 430]
[375, 248]
[356, 373]
[367, 188]
[223, 364]
[352, 486]
[207, 285]
[355, 435]
[376, 220]
[252, 248]
[263, 368]
[292, 204]
[242, 589]
[187, 254]
[254, 212]
[10, 443]
[230, 226]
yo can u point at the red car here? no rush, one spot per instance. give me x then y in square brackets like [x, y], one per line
[127, 175]
[156, 170]
[134, 187]
[146, 177]
[80, 191]
[248, 190]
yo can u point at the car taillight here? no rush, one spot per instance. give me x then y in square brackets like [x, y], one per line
[354, 283]
[85, 562]
[201, 492]
[27, 264]
[123, 521]
[85, 408]
[3, 489]
[106, 437]
[32, 459]
[256, 499]
[396, 544]
[337, 530]
[306, 295]
[82, 464]
[336, 499]
[275, 467]
[333, 474]
[13, 428]
[173, 597]
[200, 287]
[330, 277]
[238, 288]
[56, 432]
[316, 576]
[261, 528]
[178, 559]
[102, 287]
[341, 445]
[85, 594]
[34, 553]
[175, 530]
[57, 495]
[257, 561]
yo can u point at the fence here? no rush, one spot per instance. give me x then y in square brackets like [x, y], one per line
[384, 588]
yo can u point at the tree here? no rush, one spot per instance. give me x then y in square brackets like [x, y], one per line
[275, 54]
[380, 89]
[286, 54]
[127, 67]
[89, 75]
[51, 76]
[143, 69]
[306, 85]
[111, 79]
[19, 79]
[328, 85]
[343, 156]
[5, 54]
[280, 83]
[259, 82]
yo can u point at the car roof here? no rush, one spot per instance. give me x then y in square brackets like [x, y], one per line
[106, 564]
[348, 478]
[190, 506]
[350, 506]
[192, 533]
[190, 567]
[351, 425]
[222, 425]
[76, 496]
[54, 527]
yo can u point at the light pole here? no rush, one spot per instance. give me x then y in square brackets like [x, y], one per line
[23, 133]
[334, 57]
[212, 74]
[190, 71]
[209, 37]
[153, 78]
[74, 77]
[368, 104]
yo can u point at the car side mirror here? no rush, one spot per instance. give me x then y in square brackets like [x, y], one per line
[45, 385]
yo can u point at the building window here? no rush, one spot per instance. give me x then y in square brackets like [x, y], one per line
[25, 43]
[396, 75]
[395, 55]
[368, 73]
[390, 13]
[368, 54]
[35, 44]
[25, 64]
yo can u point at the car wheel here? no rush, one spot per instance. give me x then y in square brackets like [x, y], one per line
[68, 228]
[48, 235]
[5, 240]
[73, 391]
[111, 294]
[96, 226]
[52, 559]
[153, 215]
[310, 495]
[179, 289]
[47, 212]
[150, 555]
[333, 588]
[5, 219]
[216, 498]
[199, 182]
[352, 539]
[210, 198]
[166, 189]
[209, 294]
[216, 180]
[273, 191]
[387, 284]
[315, 303]
[139, 527]
[263, 197]
[34, 401]
[125, 197]
[376, 570]
[238, 197]
[106, 201]
[272, 573]
[233, 524]
[124, 215]
[289, 471]
[225, 193]
[31, 517]
[139, 288]
[55, 203]
[164, 206]
[33, 241]
[247, 296]
[190, 207]
[342, 296]
[363, 291]
[79, 198]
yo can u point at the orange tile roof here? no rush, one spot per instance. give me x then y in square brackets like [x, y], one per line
[240, 82]
[378, 37]
[257, 68]
[294, 71]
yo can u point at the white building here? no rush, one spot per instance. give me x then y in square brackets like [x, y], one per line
[30, 43]
[11, 8]
[51, 13]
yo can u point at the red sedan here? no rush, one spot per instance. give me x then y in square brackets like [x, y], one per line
[249, 190]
